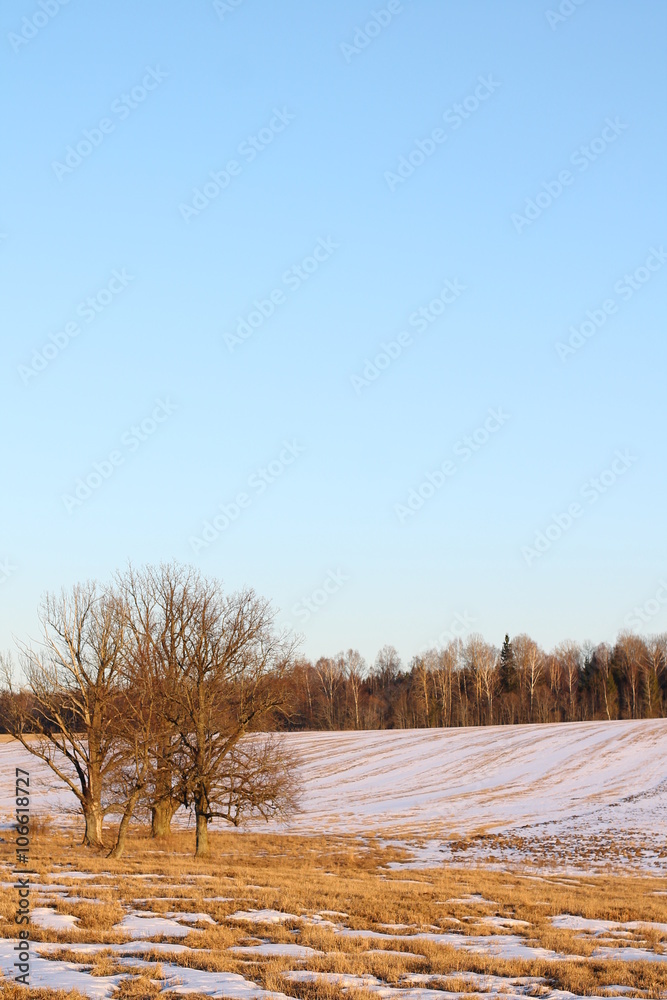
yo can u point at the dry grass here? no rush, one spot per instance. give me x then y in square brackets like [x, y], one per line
[308, 875]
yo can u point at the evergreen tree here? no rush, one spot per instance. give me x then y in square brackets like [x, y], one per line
[508, 677]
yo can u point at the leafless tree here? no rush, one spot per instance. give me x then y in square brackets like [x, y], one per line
[481, 659]
[330, 671]
[219, 663]
[160, 622]
[569, 654]
[355, 670]
[656, 666]
[530, 663]
[257, 780]
[72, 681]
[387, 665]
[630, 656]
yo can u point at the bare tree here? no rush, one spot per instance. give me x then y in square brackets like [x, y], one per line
[656, 667]
[355, 670]
[630, 657]
[530, 663]
[601, 659]
[569, 655]
[387, 665]
[257, 780]
[443, 666]
[420, 673]
[72, 680]
[220, 676]
[331, 674]
[160, 622]
[481, 660]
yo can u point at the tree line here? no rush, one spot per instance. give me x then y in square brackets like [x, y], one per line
[162, 691]
[474, 683]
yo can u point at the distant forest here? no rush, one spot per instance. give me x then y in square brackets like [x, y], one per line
[473, 683]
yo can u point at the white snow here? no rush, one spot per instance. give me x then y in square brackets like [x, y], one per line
[566, 921]
[262, 916]
[272, 949]
[49, 919]
[51, 974]
[504, 922]
[622, 954]
[123, 948]
[150, 925]
[190, 918]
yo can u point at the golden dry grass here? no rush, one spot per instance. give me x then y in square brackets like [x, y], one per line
[308, 875]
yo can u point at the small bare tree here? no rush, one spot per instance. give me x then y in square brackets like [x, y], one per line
[630, 657]
[481, 660]
[330, 672]
[355, 671]
[569, 655]
[72, 682]
[530, 662]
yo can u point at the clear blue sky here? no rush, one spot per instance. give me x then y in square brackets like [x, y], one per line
[170, 93]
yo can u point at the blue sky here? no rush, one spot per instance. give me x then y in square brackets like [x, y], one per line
[368, 163]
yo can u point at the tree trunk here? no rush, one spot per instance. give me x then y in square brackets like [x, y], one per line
[92, 814]
[201, 849]
[119, 846]
[161, 816]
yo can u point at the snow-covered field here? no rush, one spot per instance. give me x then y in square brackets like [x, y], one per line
[587, 786]
[497, 778]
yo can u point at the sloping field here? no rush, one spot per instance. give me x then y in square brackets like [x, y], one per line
[601, 781]
[497, 777]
